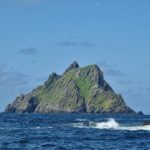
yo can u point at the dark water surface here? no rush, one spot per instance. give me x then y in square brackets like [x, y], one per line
[73, 131]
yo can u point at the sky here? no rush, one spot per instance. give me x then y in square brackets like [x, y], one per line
[38, 37]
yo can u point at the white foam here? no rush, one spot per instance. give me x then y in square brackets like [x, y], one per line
[80, 125]
[110, 124]
[82, 120]
[42, 128]
[135, 128]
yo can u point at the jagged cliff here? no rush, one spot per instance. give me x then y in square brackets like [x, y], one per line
[77, 90]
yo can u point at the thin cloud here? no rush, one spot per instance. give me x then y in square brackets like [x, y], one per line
[86, 44]
[28, 51]
[114, 72]
[104, 64]
[67, 43]
[12, 83]
[144, 89]
[11, 79]
[137, 90]
[124, 82]
[42, 79]
[110, 69]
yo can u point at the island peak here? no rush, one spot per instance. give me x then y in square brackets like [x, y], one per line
[77, 90]
[72, 66]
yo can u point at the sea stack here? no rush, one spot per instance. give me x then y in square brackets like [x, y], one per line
[81, 90]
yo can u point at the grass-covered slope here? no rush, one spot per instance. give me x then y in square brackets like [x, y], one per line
[77, 90]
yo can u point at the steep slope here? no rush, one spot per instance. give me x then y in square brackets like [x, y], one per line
[77, 90]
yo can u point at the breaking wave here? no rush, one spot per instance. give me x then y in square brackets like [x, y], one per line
[109, 124]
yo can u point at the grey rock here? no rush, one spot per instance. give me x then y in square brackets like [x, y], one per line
[72, 66]
[146, 123]
[140, 113]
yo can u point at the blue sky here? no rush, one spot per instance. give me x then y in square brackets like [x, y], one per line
[38, 37]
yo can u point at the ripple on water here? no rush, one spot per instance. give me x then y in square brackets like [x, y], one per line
[73, 131]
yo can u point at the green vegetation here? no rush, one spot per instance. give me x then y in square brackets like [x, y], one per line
[84, 86]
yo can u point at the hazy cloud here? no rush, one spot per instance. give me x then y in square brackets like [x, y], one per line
[28, 51]
[42, 79]
[110, 69]
[114, 72]
[125, 82]
[137, 90]
[69, 43]
[104, 64]
[143, 89]
[12, 83]
[11, 79]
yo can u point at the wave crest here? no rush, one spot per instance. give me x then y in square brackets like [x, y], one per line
[109, 124]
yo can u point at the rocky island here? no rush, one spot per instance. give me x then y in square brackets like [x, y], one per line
[82, 90]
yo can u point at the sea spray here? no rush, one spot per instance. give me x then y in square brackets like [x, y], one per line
[110, 124]
[135, 128]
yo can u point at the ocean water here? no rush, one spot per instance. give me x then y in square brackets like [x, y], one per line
[73, 132]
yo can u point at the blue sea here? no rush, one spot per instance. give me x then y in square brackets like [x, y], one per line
[62, 131]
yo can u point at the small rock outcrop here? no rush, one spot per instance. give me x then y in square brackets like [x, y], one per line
[140, 113]
[147, 123]
[77, 90]
[72, 66]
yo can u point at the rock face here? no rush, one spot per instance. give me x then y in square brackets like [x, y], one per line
[147, 123]
[77, 90]
[140, 113]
